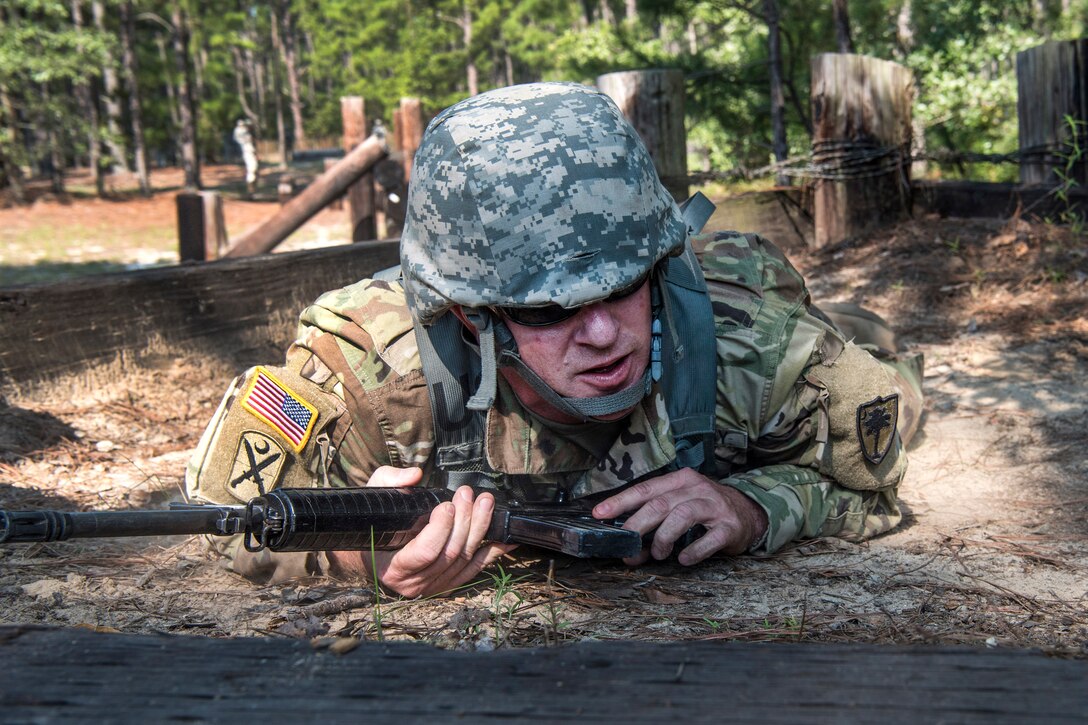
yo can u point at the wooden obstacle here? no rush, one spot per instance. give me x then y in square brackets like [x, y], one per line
[69, 675]
[861, 130]
[1053, 90]
[215, 308]
[653, 101]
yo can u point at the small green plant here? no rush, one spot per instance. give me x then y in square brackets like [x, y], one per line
[1071, 155]
[377, 611]
[506, 602]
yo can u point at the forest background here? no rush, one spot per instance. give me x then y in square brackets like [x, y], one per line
[118, 85]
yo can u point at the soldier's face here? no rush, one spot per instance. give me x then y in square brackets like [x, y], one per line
[601, 350]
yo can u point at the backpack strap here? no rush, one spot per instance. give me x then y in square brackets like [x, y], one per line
[689, 351]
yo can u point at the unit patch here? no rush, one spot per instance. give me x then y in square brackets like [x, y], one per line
[877, 420]
[275, 404]
[257, 465]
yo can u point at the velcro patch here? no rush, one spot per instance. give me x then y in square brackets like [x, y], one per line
[257, 466]
[282, 409]
[876, 423]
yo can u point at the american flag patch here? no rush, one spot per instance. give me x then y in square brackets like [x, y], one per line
[275, 404]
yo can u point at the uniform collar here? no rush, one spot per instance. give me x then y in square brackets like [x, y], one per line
[519, 443]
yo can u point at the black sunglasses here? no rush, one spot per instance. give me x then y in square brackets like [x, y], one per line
[552, 314]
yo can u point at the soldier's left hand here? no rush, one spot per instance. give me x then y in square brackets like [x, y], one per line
[675, 502]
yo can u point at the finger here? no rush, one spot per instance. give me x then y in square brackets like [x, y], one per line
[637, 495]
[393, 477]
[463, 501]
[683, 516]
[454, 578]
[482, 509]
[427, 546]
[642, 558]
[705, 546]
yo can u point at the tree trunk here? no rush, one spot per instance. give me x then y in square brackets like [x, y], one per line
[841, 11]
[48, 133]
[10, 143]
[129, 67]
[471, 74]
[187, 109]
[170, 82]
[778, 102]
[290, 62]
[904, 28]
[115, 139]
[89, 108]
[277, 88]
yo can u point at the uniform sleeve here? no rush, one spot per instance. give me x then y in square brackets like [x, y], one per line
[841, 453]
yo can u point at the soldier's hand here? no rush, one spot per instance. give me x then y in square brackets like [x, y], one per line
[675, 502]
[448, 552]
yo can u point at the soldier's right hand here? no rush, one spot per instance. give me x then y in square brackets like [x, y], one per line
[448, 552]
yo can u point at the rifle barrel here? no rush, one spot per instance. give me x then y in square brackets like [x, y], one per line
[27, 526]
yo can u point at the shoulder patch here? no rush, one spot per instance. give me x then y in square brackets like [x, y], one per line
[274, 403]
[257, 466]
[876, 425]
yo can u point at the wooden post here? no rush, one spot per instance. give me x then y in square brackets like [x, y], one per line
[408, 131]
[313, 199]
[202, 230]
[360, 194]
[1053, 90]
[653, 100]
[861, 111]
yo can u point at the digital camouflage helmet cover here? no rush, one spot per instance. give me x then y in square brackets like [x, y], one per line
[528, 196]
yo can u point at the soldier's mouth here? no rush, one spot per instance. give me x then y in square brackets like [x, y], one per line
[609, 376]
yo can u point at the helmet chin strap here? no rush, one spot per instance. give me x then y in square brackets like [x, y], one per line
[494, 335]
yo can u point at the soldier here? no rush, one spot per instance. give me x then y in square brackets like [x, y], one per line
[243, 136]
[551, 335]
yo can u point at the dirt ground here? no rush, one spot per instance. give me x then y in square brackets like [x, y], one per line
[994, 550]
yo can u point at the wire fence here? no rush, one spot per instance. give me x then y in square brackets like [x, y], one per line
[849, 160]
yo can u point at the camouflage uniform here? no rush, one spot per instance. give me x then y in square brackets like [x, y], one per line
[808, 425]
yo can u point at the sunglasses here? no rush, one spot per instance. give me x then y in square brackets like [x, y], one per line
[552, 314]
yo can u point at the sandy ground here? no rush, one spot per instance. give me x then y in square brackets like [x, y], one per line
[994, 551]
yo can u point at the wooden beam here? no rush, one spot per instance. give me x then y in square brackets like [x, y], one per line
[73, 675]
[219, 309]
[321, 192]
[653, 101]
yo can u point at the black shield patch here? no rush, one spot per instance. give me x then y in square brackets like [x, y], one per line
[877, 420]
[257, 465]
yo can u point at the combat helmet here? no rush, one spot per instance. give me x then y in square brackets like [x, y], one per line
[527, 196]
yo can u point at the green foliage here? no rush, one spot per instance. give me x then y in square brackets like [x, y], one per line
[961, 51]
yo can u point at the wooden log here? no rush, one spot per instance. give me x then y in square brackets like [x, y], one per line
[861, 118]
[360, 195]
[73, 675]
[202, 230]
[338, 202]
[1052, 82]
[219, 309]
[653, 100]
[408, 131]
[313, 199]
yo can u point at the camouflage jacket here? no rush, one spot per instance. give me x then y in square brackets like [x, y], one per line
[804, 423]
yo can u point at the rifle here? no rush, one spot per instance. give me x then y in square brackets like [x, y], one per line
[333, 519]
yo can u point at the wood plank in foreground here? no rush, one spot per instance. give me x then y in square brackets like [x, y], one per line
[62, 675]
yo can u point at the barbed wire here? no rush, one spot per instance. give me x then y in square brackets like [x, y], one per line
[849, 160]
